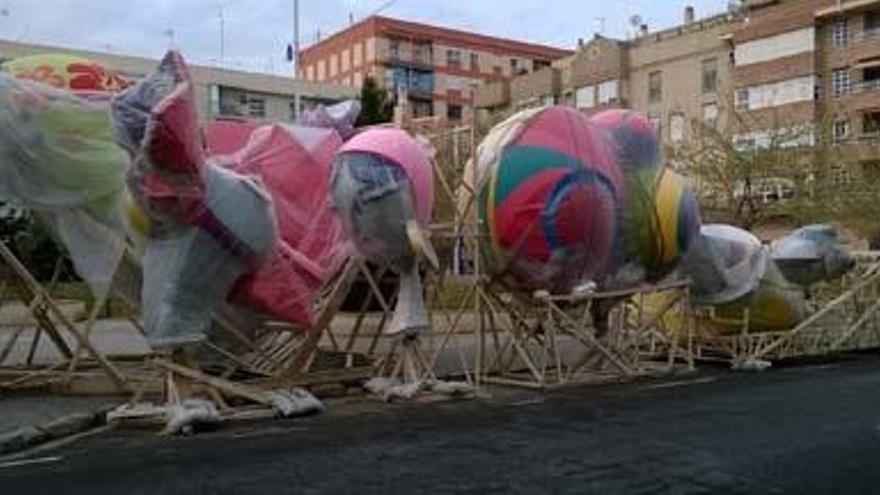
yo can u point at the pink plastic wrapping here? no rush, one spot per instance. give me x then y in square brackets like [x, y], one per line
[563, 199]
[208, 225]
[382, 190]
[252, 224]
[293, 163]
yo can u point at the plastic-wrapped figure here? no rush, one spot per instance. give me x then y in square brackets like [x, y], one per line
[382, 190]
[810, 255]
[564, 199]
[58, 157]
[293, 163]
[250, 223]
[732, 271]
[208, 226]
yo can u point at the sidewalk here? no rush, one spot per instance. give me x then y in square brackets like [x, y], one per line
[26, 421]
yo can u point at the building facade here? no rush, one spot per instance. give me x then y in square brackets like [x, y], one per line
[220, 93]
[431, 71]
[677, 77]
[763, 69]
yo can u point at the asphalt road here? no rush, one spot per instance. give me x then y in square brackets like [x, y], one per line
[804, 429]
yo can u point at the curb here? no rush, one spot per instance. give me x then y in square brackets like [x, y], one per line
[30, 436]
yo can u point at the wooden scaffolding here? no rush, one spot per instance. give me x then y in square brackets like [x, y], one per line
[844, 316]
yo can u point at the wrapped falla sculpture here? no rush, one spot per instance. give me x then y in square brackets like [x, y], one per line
[382, 190]
[564, 199]
[252, 225]
[733, 272]
[58, 157]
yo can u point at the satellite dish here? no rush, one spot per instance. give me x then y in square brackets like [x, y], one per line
[635, 21]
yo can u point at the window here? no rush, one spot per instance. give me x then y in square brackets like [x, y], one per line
[257, 107]
[840, 131]
[872, 24]
[585, 97]
[608, 92]
[514, 65]
[293, 111]
[540, 64]
[840, 32]
[676, 127]
[394, 48]
[710, 75]
[655, 87]
[475, 61]
[742, 99]
[840, 83]
[453, 112]
[871, 124]
[357, 52]
[453, 58]
[710, 114]
[422, 109]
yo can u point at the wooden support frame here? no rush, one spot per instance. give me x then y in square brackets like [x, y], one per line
[846, 317]
[55, 324]
[550, 341]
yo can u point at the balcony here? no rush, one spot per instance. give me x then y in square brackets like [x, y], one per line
[869, 85]
[492, 94]
[861, 96]
[863, 46]
[535, 84]
[421, 62]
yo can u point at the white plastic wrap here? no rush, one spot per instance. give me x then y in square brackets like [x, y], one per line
[725, 263]
[208, 226]
[372, 197]
[340, 117]
[58, 158]
[810, 255]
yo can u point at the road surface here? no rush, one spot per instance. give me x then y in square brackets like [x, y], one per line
[811, 428]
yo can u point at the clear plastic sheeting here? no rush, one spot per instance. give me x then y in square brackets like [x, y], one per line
[725, 263]
[293, 163]
[207, 226]
[340, 117]
[58, 158]
[737, 275]
[564, 199]
[250, 225]
[382, 190]
[373, 196]
[810, 255]
[188, 271]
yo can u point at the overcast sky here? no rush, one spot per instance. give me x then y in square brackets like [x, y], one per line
[257, 31]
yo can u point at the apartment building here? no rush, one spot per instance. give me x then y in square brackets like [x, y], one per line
[678, 76]
[429, 70]
[765, 71]
[221, 93]
[810, 70]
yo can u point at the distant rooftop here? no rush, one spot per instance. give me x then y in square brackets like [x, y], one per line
[418, 31]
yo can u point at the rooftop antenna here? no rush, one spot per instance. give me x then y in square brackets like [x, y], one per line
[635, 21]
[170, 34]
[222, 34]
[384, 6]
[600, 23]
